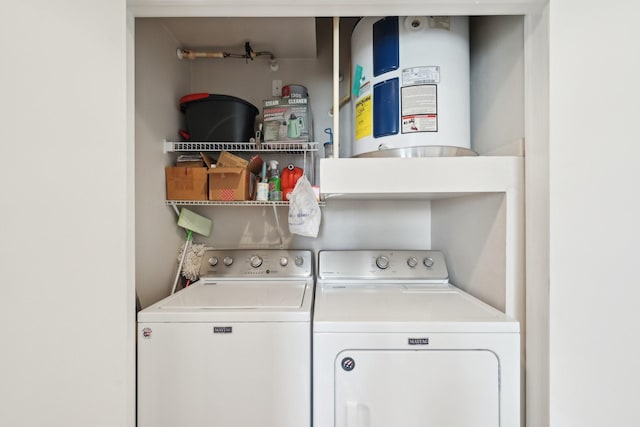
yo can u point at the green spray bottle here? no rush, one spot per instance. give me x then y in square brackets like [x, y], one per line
[275, 190]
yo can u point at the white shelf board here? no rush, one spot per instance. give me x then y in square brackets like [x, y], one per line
[311, 8]
[429, 177]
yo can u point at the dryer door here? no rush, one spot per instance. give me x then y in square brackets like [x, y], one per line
[382, 388]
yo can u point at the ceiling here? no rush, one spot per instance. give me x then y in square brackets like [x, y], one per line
[284, 37]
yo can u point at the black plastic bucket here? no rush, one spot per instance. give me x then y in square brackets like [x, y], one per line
[218, 118]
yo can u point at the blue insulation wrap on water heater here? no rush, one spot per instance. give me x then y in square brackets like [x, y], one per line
[411, 83]
[386, 53]
[386, 108]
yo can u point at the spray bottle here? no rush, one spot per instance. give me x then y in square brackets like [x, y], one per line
[262, 193]
[275, 192]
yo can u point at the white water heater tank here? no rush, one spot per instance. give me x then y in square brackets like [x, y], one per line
[410, 82]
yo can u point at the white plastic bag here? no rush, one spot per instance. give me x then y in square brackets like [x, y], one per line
[304, 212]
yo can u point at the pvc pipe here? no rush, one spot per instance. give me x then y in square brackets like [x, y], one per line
[189, 54]
[336, 86]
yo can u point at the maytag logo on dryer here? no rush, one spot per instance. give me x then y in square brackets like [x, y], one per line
[418, 341]
[223, 329]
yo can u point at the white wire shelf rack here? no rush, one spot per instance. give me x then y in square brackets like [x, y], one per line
[292, 147]
[229, 203]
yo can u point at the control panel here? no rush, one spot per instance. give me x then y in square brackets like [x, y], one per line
[422, 265]
[266, 263]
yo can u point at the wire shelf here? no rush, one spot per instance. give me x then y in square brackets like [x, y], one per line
[292, 147]
[230, 203]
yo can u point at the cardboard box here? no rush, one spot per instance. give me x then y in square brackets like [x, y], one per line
[190, 164]
[287, 119]
[186, 183]
[190, 161]
[228, 184]
[228, 160]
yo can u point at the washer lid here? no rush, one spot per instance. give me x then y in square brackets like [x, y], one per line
[233, 301]
[238, 295]
[405, 308]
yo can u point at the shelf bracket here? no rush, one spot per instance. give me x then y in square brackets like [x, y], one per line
[175, 208]
[167, 147]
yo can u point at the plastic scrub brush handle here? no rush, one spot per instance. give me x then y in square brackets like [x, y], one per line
[184, 253]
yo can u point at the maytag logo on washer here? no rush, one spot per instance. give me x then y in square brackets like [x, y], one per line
[418, 341]
[146, 333]
[223, 329]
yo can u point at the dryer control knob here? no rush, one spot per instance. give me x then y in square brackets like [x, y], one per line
[213, 261]
[382, 262]
[412, 262]
[284, 261]
[256, 261]
[428, 262]
[227, 261]
[299, 260]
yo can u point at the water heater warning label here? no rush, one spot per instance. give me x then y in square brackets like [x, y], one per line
[363, 117]
[420, 108]
[420, 75]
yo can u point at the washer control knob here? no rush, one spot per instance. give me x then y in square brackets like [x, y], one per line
[213, 261]
[382, 262]
[227, 261]
[256, 261]
[428, 262]
[298, 260]
[412, 262]
[284, 261]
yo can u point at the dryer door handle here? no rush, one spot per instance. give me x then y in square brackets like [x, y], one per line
[357, 414]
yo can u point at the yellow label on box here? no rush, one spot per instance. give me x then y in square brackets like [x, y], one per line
[363, 117]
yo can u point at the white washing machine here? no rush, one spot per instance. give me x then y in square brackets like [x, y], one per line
[395, 344]
[234, 348]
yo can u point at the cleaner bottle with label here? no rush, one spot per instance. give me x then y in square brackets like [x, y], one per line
[275, 191]
[290, 176]
[262, 193]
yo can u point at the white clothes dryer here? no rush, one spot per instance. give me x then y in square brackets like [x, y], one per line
[234, 348]
[395, 344]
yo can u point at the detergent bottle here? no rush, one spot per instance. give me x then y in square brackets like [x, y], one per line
[275, 189]
[290, 176]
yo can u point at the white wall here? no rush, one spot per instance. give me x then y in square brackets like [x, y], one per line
[594, 212]
[471, 231]
[160, 82]
[497, 84]
[537, 217]
[66, 295]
